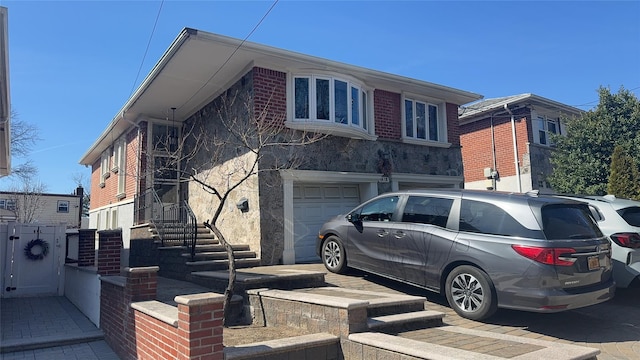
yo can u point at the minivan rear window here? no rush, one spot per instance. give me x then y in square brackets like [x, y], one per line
[631, 215]
[560, 221]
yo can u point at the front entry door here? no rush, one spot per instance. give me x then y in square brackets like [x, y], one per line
[34, 260]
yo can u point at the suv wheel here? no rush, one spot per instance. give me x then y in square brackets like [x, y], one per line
[471, 293]
[333, 255]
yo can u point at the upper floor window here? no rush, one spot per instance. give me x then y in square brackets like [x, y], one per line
[104, 166]
[423, 121]
[63, 206]
[165, 137]
[8, 204]
[330, 101]
[544, 127]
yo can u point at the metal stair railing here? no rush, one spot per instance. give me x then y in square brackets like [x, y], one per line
[146, 206]
[174, 223]
[191, 229]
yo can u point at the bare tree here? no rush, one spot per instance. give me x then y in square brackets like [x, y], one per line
[27, 200]
[83, 181]
[226, 146]
[24, 137]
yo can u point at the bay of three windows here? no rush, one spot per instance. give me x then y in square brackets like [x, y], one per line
[330, 99]
[337, 101]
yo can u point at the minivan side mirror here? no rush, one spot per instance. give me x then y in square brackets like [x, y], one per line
[353, 217]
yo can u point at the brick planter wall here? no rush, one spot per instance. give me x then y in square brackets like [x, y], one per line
[137, 327]
[116, 315]
[109, 247]
[86, 247]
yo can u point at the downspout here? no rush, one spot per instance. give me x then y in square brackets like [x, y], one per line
[138, 151]
[515, 147]
[494, 182]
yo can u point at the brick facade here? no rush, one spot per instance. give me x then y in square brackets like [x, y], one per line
[388, 114]
[270, 92]
[105, 191]
[476, 144]
[453, 125]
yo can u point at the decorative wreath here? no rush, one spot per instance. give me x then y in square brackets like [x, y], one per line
[44, 249]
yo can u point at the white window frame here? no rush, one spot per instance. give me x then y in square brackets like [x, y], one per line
[442, 140]
[363, 129]
[104, 167]
[537, 130]
[66, 205]
[120, 166]
[114, 218]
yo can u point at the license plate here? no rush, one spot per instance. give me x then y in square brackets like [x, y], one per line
[594, 262]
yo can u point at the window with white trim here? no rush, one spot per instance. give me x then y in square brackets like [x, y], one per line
[119, 160]
[328, 100]
[544, 127]
[423, 121]
[8, 204]
[104, 167]
[63, 206]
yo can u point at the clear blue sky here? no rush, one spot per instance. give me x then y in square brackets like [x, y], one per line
[73, 64]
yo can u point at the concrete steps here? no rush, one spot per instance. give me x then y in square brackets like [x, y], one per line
[176, 261]
[405, 321]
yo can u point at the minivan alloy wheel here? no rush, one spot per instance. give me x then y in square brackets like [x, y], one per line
[467, 292]
[333, 255]
[470, 293]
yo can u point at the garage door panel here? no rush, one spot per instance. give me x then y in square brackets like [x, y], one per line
[315, 205]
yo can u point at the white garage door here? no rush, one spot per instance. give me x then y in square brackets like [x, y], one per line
[313, 205]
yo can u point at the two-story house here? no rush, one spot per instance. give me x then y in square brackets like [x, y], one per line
[387, 132]
[42, 208]
[507, 142]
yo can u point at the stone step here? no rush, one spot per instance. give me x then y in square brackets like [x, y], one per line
[217, 247]
[220, 255]
[212, 265]
[317, 346]
[457, 343]
[404, 304]
[201, 245]
[405, 321]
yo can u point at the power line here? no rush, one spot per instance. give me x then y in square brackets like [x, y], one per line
[233, 53]
[153, 30]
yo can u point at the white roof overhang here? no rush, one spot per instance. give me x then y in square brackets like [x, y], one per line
[198, 66]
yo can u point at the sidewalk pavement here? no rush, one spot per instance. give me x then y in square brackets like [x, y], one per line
[49, 328]
[613, 326]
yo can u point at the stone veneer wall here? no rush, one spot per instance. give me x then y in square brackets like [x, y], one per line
[262, 227]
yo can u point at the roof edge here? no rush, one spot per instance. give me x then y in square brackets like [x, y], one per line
[89, 156]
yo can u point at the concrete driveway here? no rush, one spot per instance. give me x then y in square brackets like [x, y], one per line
[613, 326]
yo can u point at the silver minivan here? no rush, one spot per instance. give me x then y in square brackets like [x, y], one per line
[481, 249]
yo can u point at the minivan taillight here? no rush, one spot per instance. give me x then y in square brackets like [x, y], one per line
[545, 255]
[628, 240]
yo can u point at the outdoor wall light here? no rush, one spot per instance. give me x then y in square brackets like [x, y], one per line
[243, 205]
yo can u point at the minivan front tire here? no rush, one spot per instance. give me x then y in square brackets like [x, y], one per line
[471, 293]
[333, 256]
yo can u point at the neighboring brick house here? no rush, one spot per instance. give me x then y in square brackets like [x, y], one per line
[490, 131]
[42, 208]
[408, 125]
